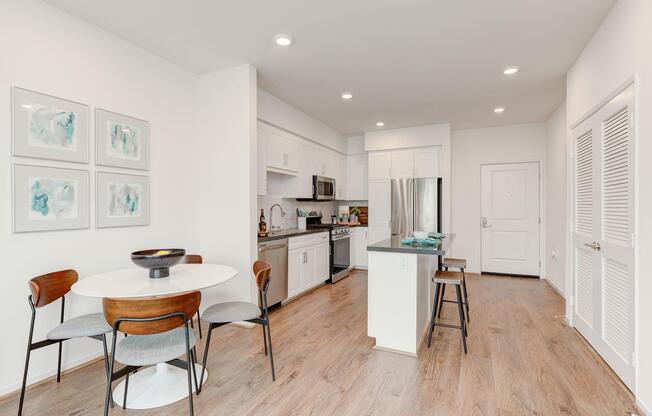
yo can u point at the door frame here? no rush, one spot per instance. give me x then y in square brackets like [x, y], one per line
[542, 228]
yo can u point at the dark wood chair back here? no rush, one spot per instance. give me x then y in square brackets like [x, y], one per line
[262, 270]
[47, 288]
[192, 259]
[146, 316]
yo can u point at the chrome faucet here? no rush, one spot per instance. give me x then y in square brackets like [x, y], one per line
[271, 216]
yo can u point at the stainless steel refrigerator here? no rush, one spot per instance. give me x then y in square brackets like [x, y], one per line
[416, 205]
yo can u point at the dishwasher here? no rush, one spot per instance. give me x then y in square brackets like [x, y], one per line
[276, 253]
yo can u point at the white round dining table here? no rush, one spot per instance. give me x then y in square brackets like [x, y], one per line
[161, 384]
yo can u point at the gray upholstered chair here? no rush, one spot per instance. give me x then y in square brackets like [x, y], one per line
[46, 289]
[194, 259]
[157, 330]
[227, 312]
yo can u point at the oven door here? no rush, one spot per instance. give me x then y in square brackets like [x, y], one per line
[323, 189]
[340, 258]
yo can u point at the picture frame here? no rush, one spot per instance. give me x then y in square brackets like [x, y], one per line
[48, 127]
[121, 200]
[48, 198]
[121, 141]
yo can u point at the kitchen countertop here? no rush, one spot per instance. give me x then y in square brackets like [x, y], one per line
[393, 245]
[293, 232]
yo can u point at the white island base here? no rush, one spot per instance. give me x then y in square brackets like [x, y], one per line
[400, 296]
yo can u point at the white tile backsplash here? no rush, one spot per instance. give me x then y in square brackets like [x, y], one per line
[290, 206]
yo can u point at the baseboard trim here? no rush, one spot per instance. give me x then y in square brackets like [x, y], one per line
[49, 375]
[643, 409]
[555, 288]
[392, 350]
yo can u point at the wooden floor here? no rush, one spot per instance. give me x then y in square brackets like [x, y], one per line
[522, 360]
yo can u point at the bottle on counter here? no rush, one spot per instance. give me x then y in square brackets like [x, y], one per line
[262, 224]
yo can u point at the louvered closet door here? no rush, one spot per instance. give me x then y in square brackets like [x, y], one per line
[603, 258]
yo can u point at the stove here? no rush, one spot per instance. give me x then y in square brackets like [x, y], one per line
[340, 247]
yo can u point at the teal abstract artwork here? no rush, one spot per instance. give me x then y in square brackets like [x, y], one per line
[52, 128]
[52, 199]
[124, 200]
[124, 141]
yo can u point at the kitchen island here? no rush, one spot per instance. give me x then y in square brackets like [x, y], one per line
[400, 292]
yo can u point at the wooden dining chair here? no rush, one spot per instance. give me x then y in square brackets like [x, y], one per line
[46, 289]
[226, 312]
[157, 330]
[194, 259]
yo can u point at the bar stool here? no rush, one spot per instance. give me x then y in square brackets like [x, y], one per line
[441, 279]
[461, 265]
[46, 289]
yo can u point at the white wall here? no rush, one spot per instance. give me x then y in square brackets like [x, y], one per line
[420, 136]
[47, 50]
[355, 145]
[620, 50]
[471, 149]
[228, 176]
[555, 201]
[281, 114]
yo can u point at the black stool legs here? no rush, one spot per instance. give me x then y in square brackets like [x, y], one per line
[436, 307]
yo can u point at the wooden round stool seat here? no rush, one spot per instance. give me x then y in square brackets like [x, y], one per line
[454, 263]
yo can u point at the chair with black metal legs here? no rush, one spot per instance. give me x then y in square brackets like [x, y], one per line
[441, 279]
[46, 289]
[461, 265]
[194, 259]
[158, 333]
[224, 313]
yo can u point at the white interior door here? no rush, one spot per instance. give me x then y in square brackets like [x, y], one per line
[510, 218]
[603, 233]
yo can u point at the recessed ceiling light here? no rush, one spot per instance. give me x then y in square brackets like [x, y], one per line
[499, 110]
[283, 40]
[511, 70]
[380, 124]
[347, 95]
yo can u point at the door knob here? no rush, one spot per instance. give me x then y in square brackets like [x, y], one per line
[485, 224]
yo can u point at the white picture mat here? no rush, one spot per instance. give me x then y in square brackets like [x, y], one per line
[24, 222]
[103, 217]
[102, 141]
[22, 100]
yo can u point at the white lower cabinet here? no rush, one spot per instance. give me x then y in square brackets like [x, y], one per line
[361, 242]
[359, 238]
[308, 262]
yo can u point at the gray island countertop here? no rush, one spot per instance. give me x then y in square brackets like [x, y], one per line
[393, 245]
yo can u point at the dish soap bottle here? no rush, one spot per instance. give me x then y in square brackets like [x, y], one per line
[262, 225]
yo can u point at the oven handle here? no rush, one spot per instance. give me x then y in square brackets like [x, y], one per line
[340, 237]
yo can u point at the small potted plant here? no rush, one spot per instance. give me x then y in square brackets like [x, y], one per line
[355, 212]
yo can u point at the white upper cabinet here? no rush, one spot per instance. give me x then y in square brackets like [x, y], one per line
[403, 164]
[380, 165]
[341, 177]
[306, 170]
[413, 163]
[426, 163]
[356, 175]
[281, 151]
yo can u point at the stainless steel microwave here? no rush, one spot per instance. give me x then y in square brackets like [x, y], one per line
[323, 189]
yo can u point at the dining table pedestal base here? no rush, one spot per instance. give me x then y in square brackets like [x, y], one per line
[156, 386]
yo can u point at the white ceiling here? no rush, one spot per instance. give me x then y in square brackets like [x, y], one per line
[408, 62]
